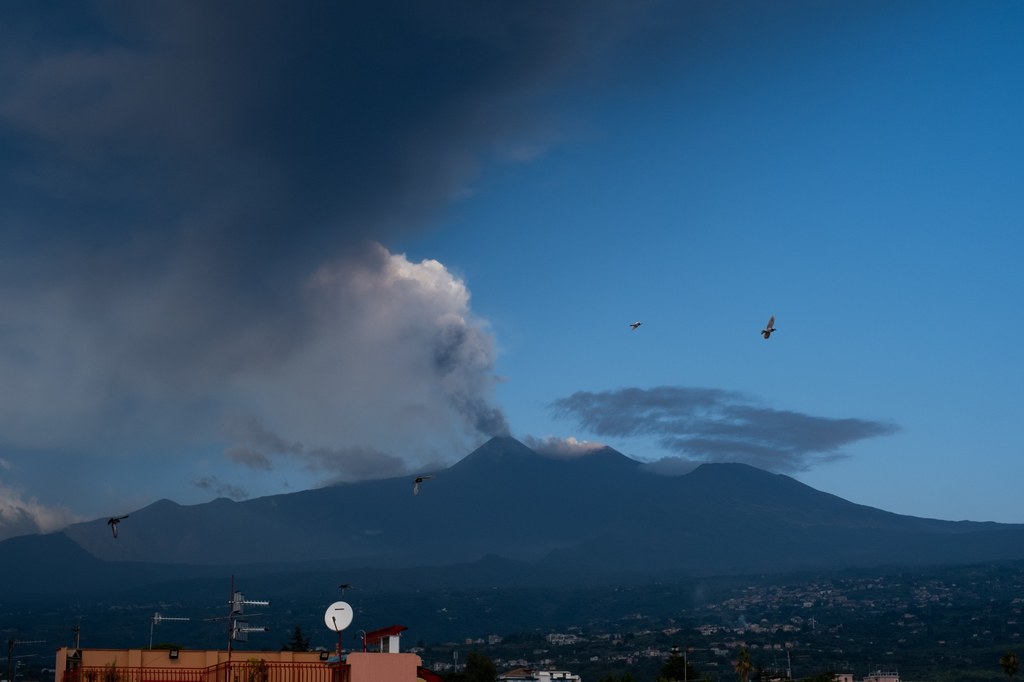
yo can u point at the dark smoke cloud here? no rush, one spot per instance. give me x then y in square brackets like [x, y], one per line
[714, 425]
[219, 488]
[256, 447]
[195, 203]
[180, 177]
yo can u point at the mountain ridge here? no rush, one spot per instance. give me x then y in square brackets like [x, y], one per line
[596, 514]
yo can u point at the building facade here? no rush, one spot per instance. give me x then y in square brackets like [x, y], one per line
[528, 675]
[181, 665]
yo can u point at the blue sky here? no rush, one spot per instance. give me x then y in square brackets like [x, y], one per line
[249, 249]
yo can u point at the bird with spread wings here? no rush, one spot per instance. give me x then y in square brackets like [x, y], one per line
[416, 483]
[113, 521]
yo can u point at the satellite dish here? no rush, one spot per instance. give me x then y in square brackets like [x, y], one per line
[338, 616]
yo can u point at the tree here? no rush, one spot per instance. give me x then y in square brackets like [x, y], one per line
[743, 665]
[1009, 663]
[297, 642]
[678, 669]
[478, 668]
[256, 670]
[110, 673]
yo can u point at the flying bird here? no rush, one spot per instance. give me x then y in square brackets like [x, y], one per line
[113, 521]
[634, 325]
[416, 484]
[769, 328]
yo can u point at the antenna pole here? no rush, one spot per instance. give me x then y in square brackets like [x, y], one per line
[231, 623]
[342, 586]
[339, 644]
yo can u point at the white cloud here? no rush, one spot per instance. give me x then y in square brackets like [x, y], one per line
[21, 516]
[562, 447]
[394, 365]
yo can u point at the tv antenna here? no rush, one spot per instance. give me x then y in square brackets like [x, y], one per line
[238, 630]
[10, 652]
[156, 620]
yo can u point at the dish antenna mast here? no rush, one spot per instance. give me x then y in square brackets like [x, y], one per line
[338, 617]
[157, 618]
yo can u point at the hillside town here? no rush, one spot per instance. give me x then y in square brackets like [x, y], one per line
[926, 625]
[856, 626]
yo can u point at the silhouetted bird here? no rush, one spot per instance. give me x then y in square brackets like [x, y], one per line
[636, 324]
[769, 328]
[113, 521]
[416, 484]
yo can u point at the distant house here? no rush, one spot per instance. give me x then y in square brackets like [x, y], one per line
[527, 675]
[882, 676]
[874, 676]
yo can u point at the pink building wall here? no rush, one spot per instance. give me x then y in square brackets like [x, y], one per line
[156, 665]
